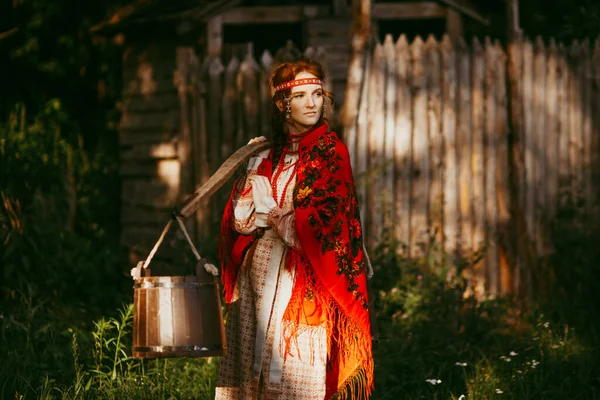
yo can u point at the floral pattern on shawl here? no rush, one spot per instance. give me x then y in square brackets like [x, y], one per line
[321, 192]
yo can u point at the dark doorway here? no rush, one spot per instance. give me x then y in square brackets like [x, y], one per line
[269, 37]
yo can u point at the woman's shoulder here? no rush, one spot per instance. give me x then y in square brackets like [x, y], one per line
[334, 141]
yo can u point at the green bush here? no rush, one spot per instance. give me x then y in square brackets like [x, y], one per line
[60, 265]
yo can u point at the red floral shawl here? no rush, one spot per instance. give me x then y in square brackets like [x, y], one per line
[330, 286]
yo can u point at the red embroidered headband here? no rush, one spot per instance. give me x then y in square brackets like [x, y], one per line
[298, 82]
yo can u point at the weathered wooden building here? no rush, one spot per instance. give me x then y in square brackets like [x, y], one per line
[193, 89]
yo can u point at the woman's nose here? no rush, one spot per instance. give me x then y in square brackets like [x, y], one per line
[310, 102]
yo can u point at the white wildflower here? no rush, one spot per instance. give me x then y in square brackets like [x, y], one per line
[546, 324]
[462, 397]
[512, 354]
[460, 364]
[433, 381]
[507, 359]
[499, 391]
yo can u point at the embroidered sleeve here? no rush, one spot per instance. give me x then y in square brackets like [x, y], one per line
[243, 208]
[285, 225]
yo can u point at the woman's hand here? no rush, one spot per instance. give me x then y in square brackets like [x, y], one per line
[211, 269]
[257, 140]
[262, 195]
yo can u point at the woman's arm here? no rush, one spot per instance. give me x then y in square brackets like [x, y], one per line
[243, 208]
[284, 224]
[243, 203]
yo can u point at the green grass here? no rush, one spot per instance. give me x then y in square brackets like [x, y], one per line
[434, 344]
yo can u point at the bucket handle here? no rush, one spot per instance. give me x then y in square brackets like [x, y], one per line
[162, 238]
[224, 172]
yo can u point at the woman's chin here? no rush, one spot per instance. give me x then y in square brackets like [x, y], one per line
[307, 122]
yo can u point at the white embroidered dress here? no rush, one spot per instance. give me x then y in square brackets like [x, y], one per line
[254, 366]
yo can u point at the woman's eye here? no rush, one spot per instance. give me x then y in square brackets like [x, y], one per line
[319, 94]
[298, 96]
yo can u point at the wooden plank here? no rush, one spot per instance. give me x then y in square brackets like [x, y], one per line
[491, 147]
[248, 86]
[362, 140]
[166, 120]
[338, 27]
[408, 10]
[434, 112]
[337, 42]
[214, 36]
[466, 9]
[528, 138]
[464, 145]
[575, 132]
[146, 168]
[552, 130]
[390, 131]
[451, 203]
[341, 8]
[214, 142]
[538, 143]
[454, 24]
[376, 148]
[138, 104]
[312, 12]
[209, 142]
[564, 126]
[519, 238]
[586, 114]
[403, 142]
[231, 104]
[478, 160]
[161, 192]
[420, 165]
[349, 111]
[271, 14]
[196, 112]
[595, 157]
[323, 56]
[148, 87]
[187, 65]
[148, 151]
[266, 62]
[504, 224]
[149, 68]
[150, 137]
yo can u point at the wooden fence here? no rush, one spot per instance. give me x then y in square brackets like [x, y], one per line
[431, 144]
[222, 107]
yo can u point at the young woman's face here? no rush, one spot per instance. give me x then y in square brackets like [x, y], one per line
[307, 102]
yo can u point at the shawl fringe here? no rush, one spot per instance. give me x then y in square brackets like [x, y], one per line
[346, 340]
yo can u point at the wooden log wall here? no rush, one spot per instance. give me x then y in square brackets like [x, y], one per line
[430, 147]
[150, 156]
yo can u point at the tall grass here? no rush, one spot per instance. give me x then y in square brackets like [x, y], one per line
[434, 343]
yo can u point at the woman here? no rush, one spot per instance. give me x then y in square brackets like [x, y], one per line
[294, 269]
